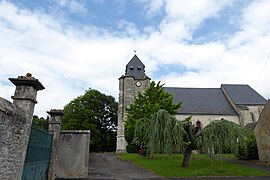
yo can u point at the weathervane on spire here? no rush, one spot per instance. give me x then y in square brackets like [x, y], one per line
[135, 51]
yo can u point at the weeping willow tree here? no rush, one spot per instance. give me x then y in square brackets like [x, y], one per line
[189, 140]
[144, 106]
[222, 135]
[162, 133]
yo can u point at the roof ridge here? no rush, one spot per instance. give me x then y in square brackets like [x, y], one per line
[192, 87]
[235, 85]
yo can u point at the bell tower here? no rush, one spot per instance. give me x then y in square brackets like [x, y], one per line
[135, 80]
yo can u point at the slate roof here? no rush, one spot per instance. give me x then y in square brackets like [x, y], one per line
[243, 94]
[135, 68]
[251, 125]
[203, 101]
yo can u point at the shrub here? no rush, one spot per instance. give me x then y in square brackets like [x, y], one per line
[132, 148]
[251, 153]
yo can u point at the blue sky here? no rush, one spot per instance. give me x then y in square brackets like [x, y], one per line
[73, 45]
[101, 13]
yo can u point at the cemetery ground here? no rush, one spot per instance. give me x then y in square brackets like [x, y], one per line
[169, 166]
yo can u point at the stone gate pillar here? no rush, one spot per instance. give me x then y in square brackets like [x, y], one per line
[25, 94]
[15, 123]
[55, 122]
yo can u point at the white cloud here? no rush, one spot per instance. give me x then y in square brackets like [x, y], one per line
[257, 16]
[66, 62]
[152, 7]
[70, 59]
[239, 59]
[74, 6]
[129, 29]
[183, 17]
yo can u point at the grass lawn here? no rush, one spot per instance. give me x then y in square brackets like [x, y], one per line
[200, 165]
[232, 156]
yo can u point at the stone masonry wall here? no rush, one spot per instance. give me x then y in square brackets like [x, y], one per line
[262, 132]
[15, 125]
[13, 139]
[73, 154]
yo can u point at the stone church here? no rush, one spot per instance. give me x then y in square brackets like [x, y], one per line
[235, 102]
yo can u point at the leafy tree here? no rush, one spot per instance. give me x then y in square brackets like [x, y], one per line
[160, 134]
[96, 112]
[164, 132]
[222, 135]
[40, 122]
[151, 124]
[189, 140]
[145, 105]
[252, 150]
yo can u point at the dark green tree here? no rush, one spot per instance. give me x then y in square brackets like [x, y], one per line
[145, 105]
[222, 135]
[96, 112]
[160, 134]
[40, 122]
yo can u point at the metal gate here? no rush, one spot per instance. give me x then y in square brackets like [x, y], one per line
[38, 155]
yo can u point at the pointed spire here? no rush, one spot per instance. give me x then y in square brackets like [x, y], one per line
[135, 68]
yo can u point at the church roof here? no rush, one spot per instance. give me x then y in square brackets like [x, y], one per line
[251, 125]
[135, 68]
[243, 94]
[201, 101]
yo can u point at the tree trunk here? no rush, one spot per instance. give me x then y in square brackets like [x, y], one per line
[187, 154]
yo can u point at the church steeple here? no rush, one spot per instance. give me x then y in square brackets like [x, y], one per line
[135, 68]
[134, 81]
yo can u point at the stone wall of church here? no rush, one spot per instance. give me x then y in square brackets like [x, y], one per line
[249, 114]
[256, 110]
[206, 119]
[254, 114]
[128, 90]
[144, 85]
[126, 97]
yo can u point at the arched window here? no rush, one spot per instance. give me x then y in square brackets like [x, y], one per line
[198, 127]
[253, 117]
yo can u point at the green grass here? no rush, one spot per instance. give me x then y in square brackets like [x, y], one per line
[231, 156]
[200, 165]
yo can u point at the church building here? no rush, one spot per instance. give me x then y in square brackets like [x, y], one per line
[235, 102]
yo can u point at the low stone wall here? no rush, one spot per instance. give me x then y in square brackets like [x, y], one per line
[73, 154]
[13, 141]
